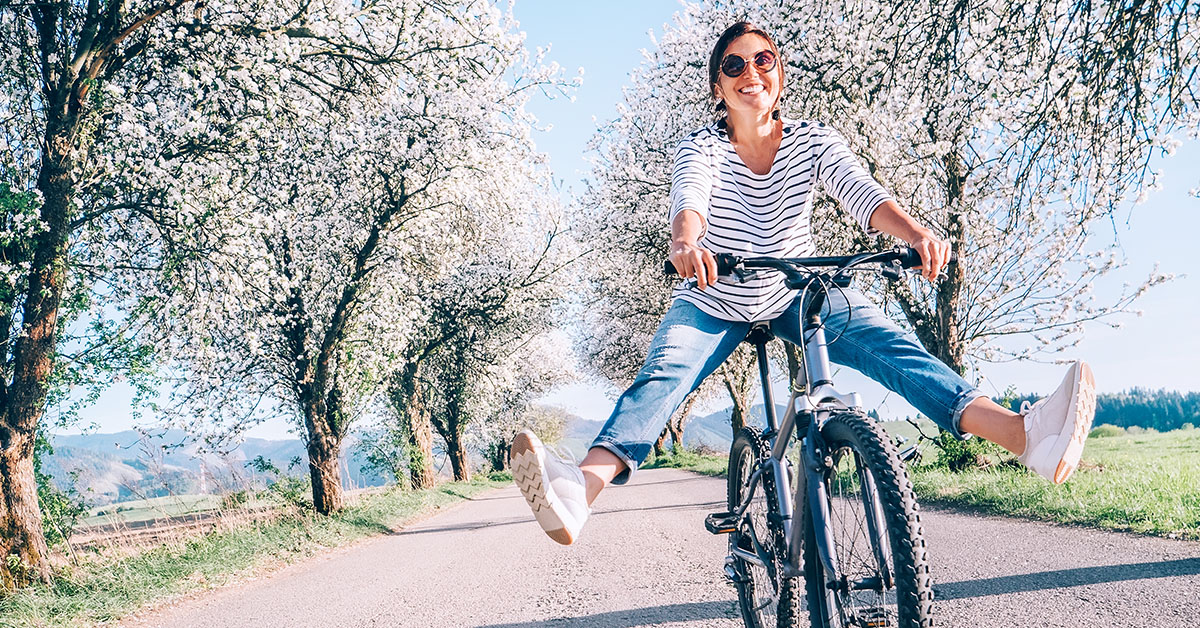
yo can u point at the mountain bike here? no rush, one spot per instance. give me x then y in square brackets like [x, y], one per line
[839, 507]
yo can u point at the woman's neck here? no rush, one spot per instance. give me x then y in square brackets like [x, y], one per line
[752, 128]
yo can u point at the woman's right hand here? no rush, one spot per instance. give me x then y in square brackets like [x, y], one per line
[691, 260]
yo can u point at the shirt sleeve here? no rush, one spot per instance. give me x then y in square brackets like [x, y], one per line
[849, 182]
[691, 180]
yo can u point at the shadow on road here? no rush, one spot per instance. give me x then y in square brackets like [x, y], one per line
[636, 617]
[1064, 578]
[476, 525]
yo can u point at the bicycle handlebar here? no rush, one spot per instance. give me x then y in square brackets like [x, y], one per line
[906, 256]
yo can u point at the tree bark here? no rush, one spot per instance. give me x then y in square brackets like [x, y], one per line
[951, 348]
[326, 477]
[23, 399]
[407, 402]
[21, 533]
[740, 409]
[659, 450]
[680, 419]
[458, 457]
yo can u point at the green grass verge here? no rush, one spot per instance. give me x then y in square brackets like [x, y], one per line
[1147, 483]
[706, 464]
[104, 589]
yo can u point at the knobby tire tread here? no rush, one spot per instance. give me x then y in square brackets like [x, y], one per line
[914, 586]
[789, 609]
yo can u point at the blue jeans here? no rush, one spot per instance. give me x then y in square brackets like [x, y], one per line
[690, 345]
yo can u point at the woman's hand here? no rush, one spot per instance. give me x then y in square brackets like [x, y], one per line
[691, 260]
[934, 251]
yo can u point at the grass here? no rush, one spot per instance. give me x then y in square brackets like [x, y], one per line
[703, 463]
[153, 508]
[1146, 483]
[101, 588]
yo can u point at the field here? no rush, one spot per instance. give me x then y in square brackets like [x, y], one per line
[1146, 482]
[101, 585]
[146, 509]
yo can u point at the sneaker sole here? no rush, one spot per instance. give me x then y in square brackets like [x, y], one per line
[1075, 433]
[528, 473]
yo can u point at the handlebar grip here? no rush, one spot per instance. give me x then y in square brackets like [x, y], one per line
[725, 264]
[910, 258]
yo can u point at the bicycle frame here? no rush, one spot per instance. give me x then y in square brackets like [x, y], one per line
[813, 403]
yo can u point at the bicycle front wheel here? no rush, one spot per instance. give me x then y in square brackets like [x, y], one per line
[758, 548]
[878, 549]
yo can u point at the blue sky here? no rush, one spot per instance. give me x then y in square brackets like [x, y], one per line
[1158, 350]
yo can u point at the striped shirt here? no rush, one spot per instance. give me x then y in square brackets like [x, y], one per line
[751, 215]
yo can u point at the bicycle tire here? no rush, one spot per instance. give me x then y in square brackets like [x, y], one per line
[854, 441]
[765, 601]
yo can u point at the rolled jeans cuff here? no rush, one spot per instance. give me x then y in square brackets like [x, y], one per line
[631, 463]
[960, 405]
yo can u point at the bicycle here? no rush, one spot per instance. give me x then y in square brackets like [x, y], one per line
[858, 531]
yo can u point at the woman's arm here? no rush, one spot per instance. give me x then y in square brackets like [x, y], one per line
[687, 256]
[892, 220]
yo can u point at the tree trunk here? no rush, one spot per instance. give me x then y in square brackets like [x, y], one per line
[324, 443]
[406, 398]
[680, 419]
[22, 402]
[740, 410]
[20, 519]
[326, 478]
[662, 437]
[951, 348]
[420, 464]
[458, 457]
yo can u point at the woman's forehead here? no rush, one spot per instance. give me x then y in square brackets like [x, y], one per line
[747, 44]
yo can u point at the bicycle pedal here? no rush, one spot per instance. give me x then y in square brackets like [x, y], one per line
[873, 617]
[721, 522]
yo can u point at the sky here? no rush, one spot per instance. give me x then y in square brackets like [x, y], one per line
[1160, 349]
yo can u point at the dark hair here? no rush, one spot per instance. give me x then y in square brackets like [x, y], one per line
[718, 55]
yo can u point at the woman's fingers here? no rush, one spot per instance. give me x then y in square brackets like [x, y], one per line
[694, 262]
[935, 254]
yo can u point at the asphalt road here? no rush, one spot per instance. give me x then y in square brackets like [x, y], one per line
[644, 559]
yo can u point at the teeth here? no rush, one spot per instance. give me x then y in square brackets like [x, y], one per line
[752, 89]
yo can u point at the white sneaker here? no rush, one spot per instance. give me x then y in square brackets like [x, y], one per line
[1057, 426]
[555, 489]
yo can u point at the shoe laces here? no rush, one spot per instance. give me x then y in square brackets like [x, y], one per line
[563, 454]
[1026, 407]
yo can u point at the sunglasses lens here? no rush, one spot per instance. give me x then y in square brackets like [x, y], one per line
[733, 66]
[765, 60]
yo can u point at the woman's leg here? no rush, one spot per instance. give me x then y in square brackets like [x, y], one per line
[861, 336]
[987, 419]
[1048, 437]
[688, 347]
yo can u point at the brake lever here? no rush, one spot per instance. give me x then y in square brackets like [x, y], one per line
[742, 275]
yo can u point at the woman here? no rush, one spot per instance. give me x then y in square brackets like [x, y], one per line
[745, 185]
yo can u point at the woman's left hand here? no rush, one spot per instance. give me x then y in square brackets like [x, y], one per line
[935, 254]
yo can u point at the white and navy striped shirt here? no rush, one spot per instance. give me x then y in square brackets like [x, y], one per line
[750, 215]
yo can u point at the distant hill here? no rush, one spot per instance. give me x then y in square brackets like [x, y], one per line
[107, 468]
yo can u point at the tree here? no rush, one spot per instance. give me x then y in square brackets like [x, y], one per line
[93, 171]
[982, 119]
[483, 341]
[304, 308]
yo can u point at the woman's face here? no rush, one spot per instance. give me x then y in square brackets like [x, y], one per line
[755, 90]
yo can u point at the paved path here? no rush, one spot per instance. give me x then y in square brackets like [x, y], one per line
[645, 560]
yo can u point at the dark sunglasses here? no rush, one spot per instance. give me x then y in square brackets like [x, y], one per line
[734, 65]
